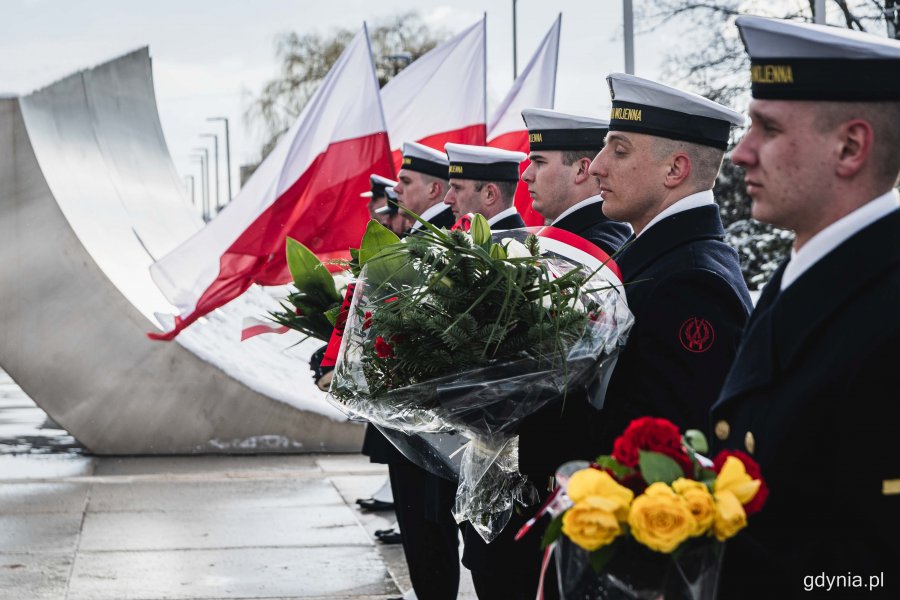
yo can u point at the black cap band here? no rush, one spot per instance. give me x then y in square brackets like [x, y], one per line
[414, 163]
[499, 171]
[671, 124]
[378, 190]
[566, 139]
[871, 80]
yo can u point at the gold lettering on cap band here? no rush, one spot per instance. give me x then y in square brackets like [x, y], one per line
[407, 161]
[456, 169]
[771, 74]
[626, 114]
[535, 138]
[890, 487]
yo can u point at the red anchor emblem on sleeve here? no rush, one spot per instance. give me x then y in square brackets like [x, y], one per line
[696, 335]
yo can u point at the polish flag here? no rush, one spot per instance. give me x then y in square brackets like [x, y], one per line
[307, 188]
[440, 97]
[535, 87]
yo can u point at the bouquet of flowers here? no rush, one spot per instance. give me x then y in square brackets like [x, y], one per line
[649, 521]
[469, 332]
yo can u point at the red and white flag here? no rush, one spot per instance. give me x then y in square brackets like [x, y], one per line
[535, 87]
[440, 97]
[307, 188]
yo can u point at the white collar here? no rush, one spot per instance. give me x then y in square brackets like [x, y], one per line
[697, 200]
[431, 212]
[836, 234]
[502, 215]
[580, 205]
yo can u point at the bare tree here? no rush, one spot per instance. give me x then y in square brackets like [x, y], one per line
[306, 60]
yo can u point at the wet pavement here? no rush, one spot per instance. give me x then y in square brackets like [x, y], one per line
[80, 527]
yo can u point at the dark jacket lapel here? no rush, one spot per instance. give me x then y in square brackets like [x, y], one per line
[679, 229]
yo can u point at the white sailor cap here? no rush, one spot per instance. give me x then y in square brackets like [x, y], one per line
[419, 157]
[799, 61]
[553, 130]
[645, 106]
[390, 208]
[378, 184]
[482, 163]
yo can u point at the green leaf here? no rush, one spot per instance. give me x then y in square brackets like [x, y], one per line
[480, 231]
[601, 556]
[658, 467]
[332, 314]
[696, 440]
[497, 252]
[554, 530]
[619, 470]
[310, 275]
[377, 238]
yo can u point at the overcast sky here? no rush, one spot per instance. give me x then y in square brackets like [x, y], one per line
[210, 57]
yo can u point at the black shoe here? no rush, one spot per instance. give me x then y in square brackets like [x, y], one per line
[391, 537]
[372, 504]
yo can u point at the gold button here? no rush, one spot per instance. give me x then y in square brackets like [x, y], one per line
[723, 429]
[750, 442]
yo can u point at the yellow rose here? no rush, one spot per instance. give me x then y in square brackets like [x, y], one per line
[699, 501]
[661, 519]
[593, 482]
[730, 516]
[592, 523]
[733, 478]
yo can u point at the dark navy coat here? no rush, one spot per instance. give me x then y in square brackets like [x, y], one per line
[560, 431]
[511, 222]
[814, 394]
[690, 303]
[590, 223]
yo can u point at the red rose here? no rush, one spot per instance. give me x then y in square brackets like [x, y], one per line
[382, 348]
[753, 471]
[654, 435]
[367, 322]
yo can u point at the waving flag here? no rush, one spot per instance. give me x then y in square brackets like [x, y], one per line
[535, 87]
[307, 188]
[440, 97]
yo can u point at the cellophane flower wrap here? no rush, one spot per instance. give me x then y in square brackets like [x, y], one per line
[650, 520]
[467, 333]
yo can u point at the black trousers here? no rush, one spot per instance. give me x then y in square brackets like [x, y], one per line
[430, 535]
[506, 569]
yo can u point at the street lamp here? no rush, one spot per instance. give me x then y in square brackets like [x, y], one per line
[216, 153]
[515, 62]
[204, 163]
[190, 179]
[227, 152]
[628, 11]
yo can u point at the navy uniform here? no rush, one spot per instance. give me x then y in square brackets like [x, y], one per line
[375, 445]
[683, 282]
[423, 159]
[813, 393]
[557, 432]
[508, 219]
[424, 501]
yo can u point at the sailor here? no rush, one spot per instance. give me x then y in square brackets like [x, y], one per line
[561, 147]
[683, 282]
[483, 181]
[423, 184]
[812, 396]
[376, 195]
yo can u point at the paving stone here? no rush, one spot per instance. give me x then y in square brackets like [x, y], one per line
[222, 528]
[34, 576]
[231, 573]
[38, 532]
[29, 498]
